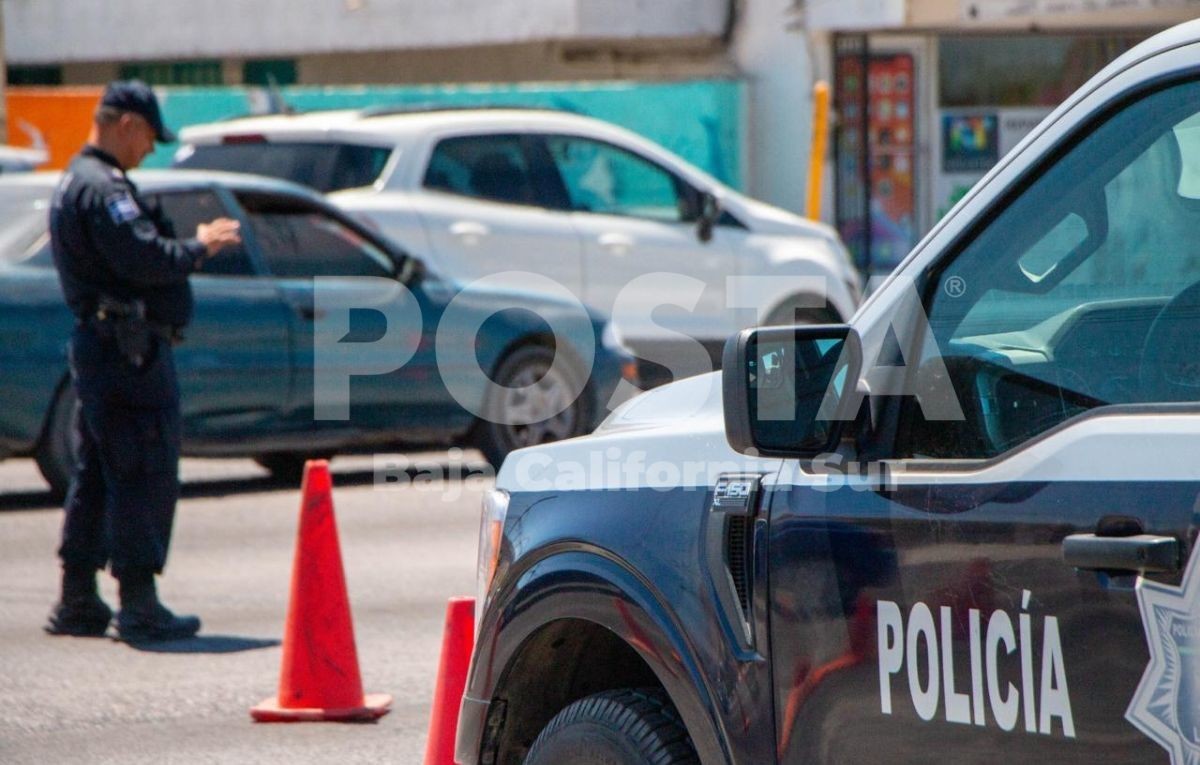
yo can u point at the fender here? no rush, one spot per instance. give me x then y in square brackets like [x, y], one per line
[574, 581]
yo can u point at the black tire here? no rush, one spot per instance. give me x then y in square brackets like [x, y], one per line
[520, 369]
[797, 310]
[55, 454]
[287, 467]
[625, 726]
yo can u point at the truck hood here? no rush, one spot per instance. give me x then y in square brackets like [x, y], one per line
[692, 399]
[669, 438]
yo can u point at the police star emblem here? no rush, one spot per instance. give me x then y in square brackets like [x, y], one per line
[1166, 706]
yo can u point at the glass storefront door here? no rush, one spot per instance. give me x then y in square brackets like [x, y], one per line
[992, 90]
[921, 118]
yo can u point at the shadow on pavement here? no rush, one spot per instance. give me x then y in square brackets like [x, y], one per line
[206, 644]
[220, 487]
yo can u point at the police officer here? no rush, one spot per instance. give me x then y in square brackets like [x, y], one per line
[125, 278]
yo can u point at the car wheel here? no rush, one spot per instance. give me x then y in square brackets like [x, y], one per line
[55, 455]
[798, 310]
[528, 384]
[620, 727]
[287, 467]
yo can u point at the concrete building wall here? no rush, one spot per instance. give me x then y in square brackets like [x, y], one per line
[980, 15]
[56, 31]
[399, 42]
[90, 73]
[772, 52]
[1074, 14]
[531, 62]
[651, 18]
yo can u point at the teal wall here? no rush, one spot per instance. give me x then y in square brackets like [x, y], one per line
[702, 121]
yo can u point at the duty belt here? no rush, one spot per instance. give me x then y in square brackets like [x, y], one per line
[111, 309]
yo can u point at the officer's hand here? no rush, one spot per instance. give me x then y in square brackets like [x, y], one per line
[218, 234]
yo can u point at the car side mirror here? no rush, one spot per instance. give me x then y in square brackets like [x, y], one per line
[789, 391]
[708, 211]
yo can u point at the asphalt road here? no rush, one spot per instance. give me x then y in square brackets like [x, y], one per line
[406, 549]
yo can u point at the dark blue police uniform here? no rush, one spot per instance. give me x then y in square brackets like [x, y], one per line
[121, 271]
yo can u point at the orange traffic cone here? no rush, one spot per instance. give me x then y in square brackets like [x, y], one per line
[458, 639]
[319, 679]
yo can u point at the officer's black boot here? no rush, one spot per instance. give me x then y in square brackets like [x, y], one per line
[142, 619]
[79, 611]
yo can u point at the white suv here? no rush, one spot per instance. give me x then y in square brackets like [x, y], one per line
[583, 202]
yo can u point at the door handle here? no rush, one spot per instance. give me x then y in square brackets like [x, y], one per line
[1141, 552]
[617, 244]
[309, 312]
[469, 231]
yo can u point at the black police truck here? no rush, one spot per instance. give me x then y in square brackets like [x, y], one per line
[957, 529]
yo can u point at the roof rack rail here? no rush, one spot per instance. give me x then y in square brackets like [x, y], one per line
[389, 110]
[291, 112]
[385, 110]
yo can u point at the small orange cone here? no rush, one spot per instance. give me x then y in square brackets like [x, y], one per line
[458, 639]
[319, 679]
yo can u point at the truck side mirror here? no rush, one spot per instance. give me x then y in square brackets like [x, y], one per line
[708, 211]
[788, 391]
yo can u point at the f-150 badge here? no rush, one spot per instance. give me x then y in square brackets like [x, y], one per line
[1166, 706]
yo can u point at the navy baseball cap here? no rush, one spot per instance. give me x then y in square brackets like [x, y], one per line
[137, 97]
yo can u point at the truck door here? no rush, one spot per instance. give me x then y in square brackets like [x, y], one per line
[1012, 582]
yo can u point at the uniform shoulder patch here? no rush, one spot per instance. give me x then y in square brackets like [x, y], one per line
[122, 207]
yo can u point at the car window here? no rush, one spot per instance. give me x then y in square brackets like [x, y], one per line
[323, 166]
[304, 244]
[492, 167]
[602, 178]
[1083, 292]
[184, 211]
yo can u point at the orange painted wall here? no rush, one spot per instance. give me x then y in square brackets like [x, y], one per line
[62, 115]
